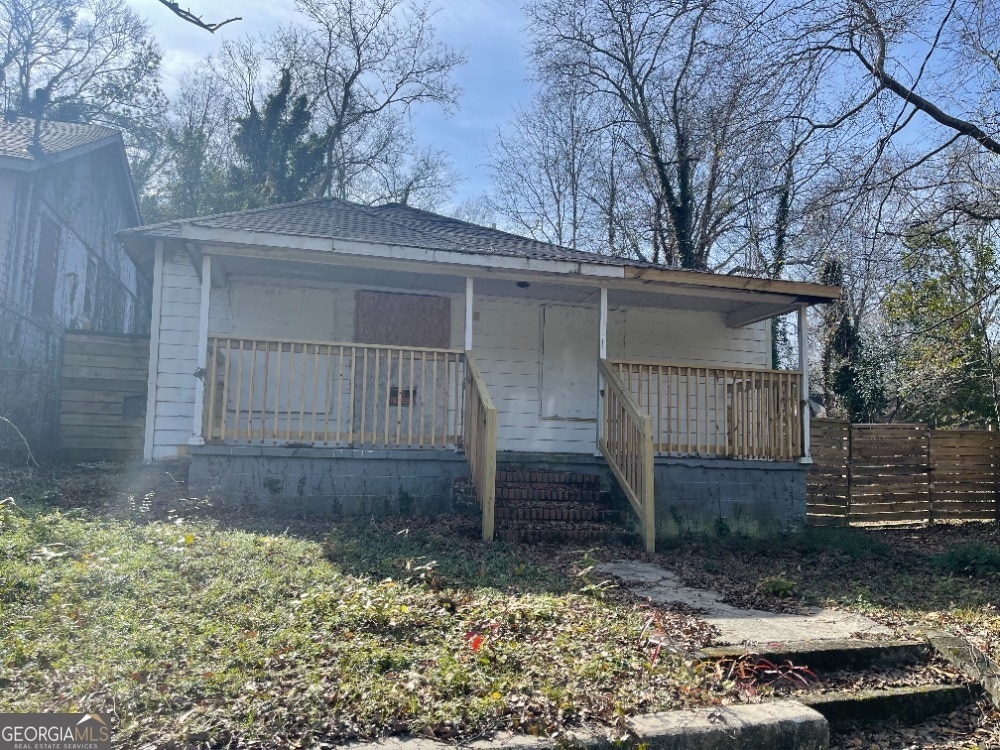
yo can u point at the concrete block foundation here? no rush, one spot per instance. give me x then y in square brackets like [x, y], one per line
[328, 482]
[692, 495]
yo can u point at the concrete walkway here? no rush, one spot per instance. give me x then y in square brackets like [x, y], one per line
[740, 626]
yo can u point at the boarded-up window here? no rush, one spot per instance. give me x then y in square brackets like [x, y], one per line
[403, 320]
[46, 268]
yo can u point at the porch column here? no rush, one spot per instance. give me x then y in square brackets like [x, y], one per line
[468, 314]
[197, 438]
[602, 353]
[804, 369]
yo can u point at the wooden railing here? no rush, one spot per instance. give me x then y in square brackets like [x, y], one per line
[718, 411]
[479, 440]
[272, 391]
[627, 445]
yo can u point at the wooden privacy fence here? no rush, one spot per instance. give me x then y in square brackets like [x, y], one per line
[269, 391]
[718, 411]
[102, 398]
[901, 473]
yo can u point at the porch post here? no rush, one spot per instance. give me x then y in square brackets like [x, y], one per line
[197, 438]
[468, 314]
[804, 369]
[602, 337]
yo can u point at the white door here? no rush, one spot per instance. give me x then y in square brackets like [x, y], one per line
[569, 362]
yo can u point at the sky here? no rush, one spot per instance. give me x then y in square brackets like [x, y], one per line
[489, 32]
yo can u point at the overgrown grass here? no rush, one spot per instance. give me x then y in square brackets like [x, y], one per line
[191, 633]
[973, 559]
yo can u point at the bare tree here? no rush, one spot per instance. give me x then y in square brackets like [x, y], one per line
[696, 104]
[90, 60]
[373, 61]
[543, 166]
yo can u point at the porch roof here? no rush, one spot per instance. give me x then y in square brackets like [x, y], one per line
[403, 233]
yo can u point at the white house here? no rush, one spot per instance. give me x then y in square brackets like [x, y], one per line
[332, 356]
[65, 190]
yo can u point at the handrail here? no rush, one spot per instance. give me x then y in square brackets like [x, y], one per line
[277, 391]
[627, 445]
[479, 440]
[732, 412]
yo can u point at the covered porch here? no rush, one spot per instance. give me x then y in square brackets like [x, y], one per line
[348, 357]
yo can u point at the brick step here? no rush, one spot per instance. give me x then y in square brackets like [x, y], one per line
[550, 492]
[530, 477]
[553, 510]
[561, 532]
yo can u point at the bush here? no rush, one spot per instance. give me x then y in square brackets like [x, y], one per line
[777, 586]
[973, 559]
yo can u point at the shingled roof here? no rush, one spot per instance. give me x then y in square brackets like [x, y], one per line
[17, 137]
[390, 224]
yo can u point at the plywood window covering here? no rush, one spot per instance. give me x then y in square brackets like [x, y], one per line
[46, 268]
[403, 320]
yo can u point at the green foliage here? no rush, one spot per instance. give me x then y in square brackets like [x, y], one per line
[972, 559]
[778, 586]
[198, 183]
[852, 373]
[279, 158]
[942, 315]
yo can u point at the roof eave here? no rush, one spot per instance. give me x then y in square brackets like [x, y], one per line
[659, 278]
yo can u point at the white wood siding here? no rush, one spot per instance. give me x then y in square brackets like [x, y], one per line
[684, 337]
[178, 356]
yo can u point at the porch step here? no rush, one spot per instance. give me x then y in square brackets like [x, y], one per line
[531, 484]
[549, 492]
[553, 510]
[563, 532]
[556, 507]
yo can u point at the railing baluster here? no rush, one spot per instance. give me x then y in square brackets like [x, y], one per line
[364, 395]
[399, 395]
[315, 398]
[239, 393]
[351, 399]
[388, 392]
[329, 396]
[302, 396]
[413, 405]
[375, 392]
[328, 383]
[434, 381]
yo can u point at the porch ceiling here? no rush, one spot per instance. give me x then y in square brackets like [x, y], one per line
[740, 307]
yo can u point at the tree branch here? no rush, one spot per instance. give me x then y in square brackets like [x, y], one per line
[191, 18]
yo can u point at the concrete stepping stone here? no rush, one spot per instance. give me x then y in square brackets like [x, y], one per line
[736, 625]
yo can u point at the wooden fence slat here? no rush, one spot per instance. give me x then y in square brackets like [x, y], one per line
[876, 474]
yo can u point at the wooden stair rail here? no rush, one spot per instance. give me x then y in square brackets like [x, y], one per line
[627, 445]
[479, 440]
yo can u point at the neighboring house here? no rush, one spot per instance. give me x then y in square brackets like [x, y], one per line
[335, 357]
[65, 190]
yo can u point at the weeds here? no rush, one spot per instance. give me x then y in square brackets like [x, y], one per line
[751, 672]
[973, 559]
